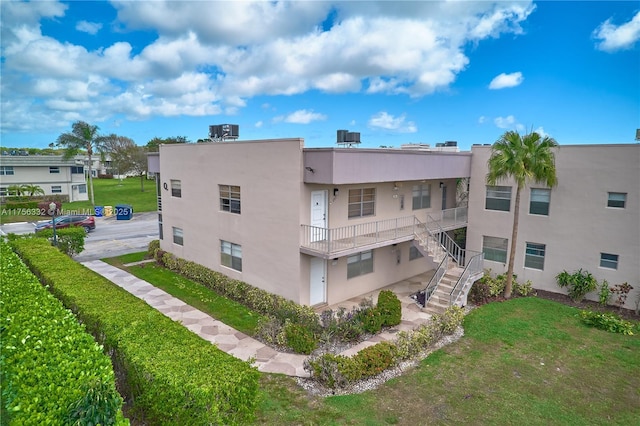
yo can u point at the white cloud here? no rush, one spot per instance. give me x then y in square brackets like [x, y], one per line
[301, 116]
[482, 119]
[199, 67]
[508, 122]
[541, 132]
[89, 27]
[258, 124]
[610, 37]
[506, 80]
[384, 120]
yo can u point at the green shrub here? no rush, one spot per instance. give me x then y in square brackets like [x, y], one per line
[579, 283]
[372, 320]
[374, 359]
[449, 320]
[523, 289]
[390, 308]
[479, 293]
[52, 371]
[70, 241]
[299, 338]
[155, 356]
[604, 294]
[607, 321]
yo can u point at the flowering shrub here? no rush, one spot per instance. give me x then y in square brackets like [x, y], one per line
[607, 321]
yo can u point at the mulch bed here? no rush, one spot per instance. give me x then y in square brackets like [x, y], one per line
[627, 314]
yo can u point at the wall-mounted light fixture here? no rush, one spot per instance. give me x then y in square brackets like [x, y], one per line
[441, 184]
[335, 192]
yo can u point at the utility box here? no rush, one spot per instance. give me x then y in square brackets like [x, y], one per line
[124, 212]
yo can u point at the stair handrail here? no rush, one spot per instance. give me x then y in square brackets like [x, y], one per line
[435, 279]
[470, 268]
[451, 247]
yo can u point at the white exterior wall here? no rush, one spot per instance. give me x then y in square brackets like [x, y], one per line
[579, 226]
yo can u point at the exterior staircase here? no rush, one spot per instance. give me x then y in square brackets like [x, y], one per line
[457, 269]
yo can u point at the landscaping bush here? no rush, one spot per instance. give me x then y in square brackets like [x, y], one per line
[479, 293]
[155, 356]
[52, 371]
[371, 319]
[299, 338]
[579, 283]
[604, 294]
[390, 308]
[523, 289]
[338, 371]
[607, 321]
[70, 241]
[621, 291]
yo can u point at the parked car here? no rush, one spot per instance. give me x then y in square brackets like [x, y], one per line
[87, 222]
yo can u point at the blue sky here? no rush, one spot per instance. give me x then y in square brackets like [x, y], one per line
[397, 72]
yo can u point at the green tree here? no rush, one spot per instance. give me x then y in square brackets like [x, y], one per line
[33, 190]
[153, 144]
[17, 190]
[83, 137]
[523, 158]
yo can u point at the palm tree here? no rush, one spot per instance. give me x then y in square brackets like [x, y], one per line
[524, 158]
[33, 190]
[17, 190]
[85, 137]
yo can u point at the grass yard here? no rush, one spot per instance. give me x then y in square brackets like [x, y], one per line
[229, 312]
[108, 192]
[526, 361]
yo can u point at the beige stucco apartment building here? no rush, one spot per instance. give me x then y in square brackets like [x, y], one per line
[313, 225]
[591, 220]
[322, 225]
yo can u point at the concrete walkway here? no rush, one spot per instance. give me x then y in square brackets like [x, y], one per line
[239, 344]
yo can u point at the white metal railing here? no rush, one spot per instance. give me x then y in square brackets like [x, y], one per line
[434, 282]
[450, 218]
[472, 267]
[451, 247]
[332, 240]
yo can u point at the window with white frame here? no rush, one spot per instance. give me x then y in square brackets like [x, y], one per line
[617, 199]
[3, 191]
[362, 202]
[608, 260]
[160, 230]
[178, 237]
[534, 256]
[539, 202]
[54, 169]
[6, 170]
[176, 188]
[82, 189]
[498, 198]
[414, 253]
[56, 189]
[495, 249]
[360, 264]
[230, 198]
[421, 196]
[231, 255]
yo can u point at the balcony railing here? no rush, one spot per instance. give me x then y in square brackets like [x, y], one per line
[334, 242]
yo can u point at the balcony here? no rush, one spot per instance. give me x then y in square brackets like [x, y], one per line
[329, 243]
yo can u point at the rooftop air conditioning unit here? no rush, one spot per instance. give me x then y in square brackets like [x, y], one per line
[220, 132]
[346, 138]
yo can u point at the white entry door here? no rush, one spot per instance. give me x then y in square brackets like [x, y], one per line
[318, 216]
[317, 281]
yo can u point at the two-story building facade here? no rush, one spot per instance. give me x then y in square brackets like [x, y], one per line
[589, 221]
[54, 174]
[315, 225]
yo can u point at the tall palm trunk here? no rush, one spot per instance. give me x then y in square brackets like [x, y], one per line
[512, 251]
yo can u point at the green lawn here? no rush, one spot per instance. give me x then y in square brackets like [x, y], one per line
[108, 192]
[527, 361]
[229, 312]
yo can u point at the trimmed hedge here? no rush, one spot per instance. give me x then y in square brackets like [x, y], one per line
[170, 374]
[52, 371]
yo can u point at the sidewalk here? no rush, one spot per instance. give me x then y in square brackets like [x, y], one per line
[228, 339]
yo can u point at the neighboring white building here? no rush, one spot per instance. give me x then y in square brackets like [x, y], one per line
[590, 221]
[52, 173]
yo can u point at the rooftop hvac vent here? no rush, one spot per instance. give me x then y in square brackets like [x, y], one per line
[222, 132]
[347, 139]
